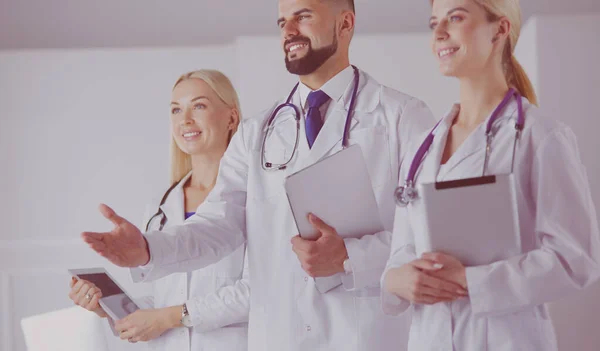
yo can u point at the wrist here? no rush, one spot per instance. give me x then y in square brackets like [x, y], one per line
[100, 312]
[173, 317]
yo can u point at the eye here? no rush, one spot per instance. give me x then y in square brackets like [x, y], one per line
[175, 110]
[432, 25]
[455, 18]
[199, 106]
[281, 24]
[303, 17]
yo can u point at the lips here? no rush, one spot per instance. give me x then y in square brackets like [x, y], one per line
[295, 44]
[447, 52]
[191, 134]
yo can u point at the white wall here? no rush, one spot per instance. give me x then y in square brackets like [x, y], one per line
[78, 128]
[569, 89]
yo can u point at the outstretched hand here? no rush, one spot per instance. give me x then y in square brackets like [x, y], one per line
[125, 246]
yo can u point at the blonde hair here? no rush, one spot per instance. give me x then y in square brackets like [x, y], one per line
[181, 163]
[513, 71]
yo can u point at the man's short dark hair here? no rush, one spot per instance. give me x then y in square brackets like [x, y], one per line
[349, 3]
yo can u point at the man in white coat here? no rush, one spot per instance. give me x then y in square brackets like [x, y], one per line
[249, 204]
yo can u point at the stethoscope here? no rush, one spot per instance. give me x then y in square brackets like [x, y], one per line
[268, 166]
[407, 193]
[160, 212]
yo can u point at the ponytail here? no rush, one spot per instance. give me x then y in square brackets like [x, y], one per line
[517, 78]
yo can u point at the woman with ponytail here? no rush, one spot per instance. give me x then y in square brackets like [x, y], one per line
[501, 305]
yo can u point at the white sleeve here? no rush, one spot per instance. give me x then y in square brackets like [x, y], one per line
[368, 254]
[226, 306]
[566, 228]
[217, 228]
[402, 252]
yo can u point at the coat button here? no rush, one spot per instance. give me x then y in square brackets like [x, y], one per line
[305, 279]
[308, 328]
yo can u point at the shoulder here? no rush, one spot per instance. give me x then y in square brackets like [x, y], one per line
[404, 104]
[258, 121]
[539, 127]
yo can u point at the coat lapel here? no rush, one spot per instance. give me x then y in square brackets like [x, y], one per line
[174, 206]
[331, 136]
[476, 142]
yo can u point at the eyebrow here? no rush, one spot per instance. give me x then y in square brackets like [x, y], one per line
[193, 100]
[299, 12]
[451, 12]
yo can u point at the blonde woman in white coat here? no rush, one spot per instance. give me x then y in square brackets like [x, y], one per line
[204, 116]
[500, 306]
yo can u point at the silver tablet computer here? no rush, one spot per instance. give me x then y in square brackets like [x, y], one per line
[476, 219]
[338, 190]
[115, 301]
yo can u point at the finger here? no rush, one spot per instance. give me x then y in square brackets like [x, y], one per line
[111, 215]
[441, 284]
[94, 302]
[82, 296]
[72, 282]
[321, 226]
[429, 300]
[134, 339]
[436, 257]
[303, 244]
[437, 293]
[427, 265]
[95, 295]
[93, 237]
[121, 325]
[126, 334]
[77, 287]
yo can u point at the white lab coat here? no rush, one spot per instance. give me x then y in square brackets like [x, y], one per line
[560, 240]
[287, 312]
[217, 297]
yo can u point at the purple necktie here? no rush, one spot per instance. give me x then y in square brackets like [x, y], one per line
[314, 121]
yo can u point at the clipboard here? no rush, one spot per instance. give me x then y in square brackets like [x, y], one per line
[475, 220]
[338, 190]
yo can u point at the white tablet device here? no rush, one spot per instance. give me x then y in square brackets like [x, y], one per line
[338, 190]
[475, 220]
[115, 301]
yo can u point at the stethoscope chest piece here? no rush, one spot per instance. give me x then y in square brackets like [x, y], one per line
[405, 194]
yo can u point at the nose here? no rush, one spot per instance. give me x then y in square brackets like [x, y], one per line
[187, 117]
[289, 30]
[440, 33]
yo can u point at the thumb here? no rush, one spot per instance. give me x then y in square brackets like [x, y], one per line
[111, 215]
[427, 265]
[321, 226]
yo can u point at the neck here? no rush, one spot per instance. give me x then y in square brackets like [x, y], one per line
[205, 168]
[479, 96]
[324, 73]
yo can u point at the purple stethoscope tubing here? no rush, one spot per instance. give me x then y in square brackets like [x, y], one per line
[407, 193]
[267, 166]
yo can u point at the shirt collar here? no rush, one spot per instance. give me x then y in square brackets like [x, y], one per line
[334, 88]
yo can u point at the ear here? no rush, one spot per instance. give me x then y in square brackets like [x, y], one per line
[234, 119]
[348, 22]
[502, 30]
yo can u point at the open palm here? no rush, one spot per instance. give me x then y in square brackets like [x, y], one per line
[124, 246]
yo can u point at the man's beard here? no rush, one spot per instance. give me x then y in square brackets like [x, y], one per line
[313, 59]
